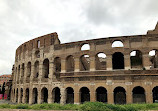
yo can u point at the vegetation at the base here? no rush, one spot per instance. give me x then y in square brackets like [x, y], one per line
[88, 106]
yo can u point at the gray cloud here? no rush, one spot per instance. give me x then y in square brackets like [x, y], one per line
[73, 20]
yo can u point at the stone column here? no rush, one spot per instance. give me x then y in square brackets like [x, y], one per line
[109, 62]
[146, 60]
[110, 95]
[32, 72]
[30, 95]
[24, 96]
[51, 70]
[127, 61]
[129, 97]
[63, 96]
[149, 97]
[92, 63]
[63, 65]
[76, 95]
[50, 96]
[39, 96]
[19, 94]
[25, 73]
[40, 71]
[77, 64]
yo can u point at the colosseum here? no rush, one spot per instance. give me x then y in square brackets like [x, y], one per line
[114, 70]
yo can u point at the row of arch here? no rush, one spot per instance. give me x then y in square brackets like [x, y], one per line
[136, 61]
[119, 93]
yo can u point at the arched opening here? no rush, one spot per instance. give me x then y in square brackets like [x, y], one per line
[100, 61]
[34, 96]
[136, 59]
[27, 95]
[57, 64]
[119, 95]
[18, 72]
[44, 95]
[84, 63]
[117, 44]
[155, 94]
[69, 95]
[28, 69]
[101, 94]
[56, 95]
[153, 56]
[85, 47]
[38, 44]
[23, 70]
[17, 95]
[70, 63]
[21, 96]
[118, 60]
[37, 54]
[45, 68]
[84, 95]
[36, 69]
[139, 95]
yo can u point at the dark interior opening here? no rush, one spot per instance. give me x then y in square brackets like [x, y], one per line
[101, 94]
[85, 95]
[119, 95]
[139, 95]
[118, 60]
[70, 96]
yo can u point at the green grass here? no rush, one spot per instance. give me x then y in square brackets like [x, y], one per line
[88, 106]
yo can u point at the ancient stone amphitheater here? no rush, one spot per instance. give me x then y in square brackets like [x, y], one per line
[114, 70]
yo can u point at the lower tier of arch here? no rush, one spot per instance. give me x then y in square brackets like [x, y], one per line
[78, 93]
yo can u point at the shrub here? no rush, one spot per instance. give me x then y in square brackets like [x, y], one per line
[22, 106]
[94, 106]
[2, 106]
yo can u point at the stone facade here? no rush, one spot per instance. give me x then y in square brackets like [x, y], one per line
[47, 71]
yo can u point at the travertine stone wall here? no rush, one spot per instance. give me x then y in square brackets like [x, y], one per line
[132, 84]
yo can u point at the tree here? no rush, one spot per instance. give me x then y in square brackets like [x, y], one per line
[3, 88]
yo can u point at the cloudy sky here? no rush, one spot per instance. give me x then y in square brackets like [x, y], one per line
[73, 20]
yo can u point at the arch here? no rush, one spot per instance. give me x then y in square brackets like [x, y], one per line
[28, 69]
[23, 70]
[117, 43]
[85, 46]
[17, 95]
[153, 56]
[57, 64]
[21, 96]
[44, 95]
[27, 95]
[34, 96]
[100, 61]
[101, 94]
[84, 94]
[84, 63]
[155, 94]
[136, 59]
[37, 54]
[139, 95]
[36, 69]
[70, 63]
[38, 44]
[119, 95]
[45, 68]
[18, 72]
[69, 95]
[56, 95]
[118, 60]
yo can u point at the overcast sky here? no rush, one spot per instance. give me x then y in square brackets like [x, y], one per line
[73, 20]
